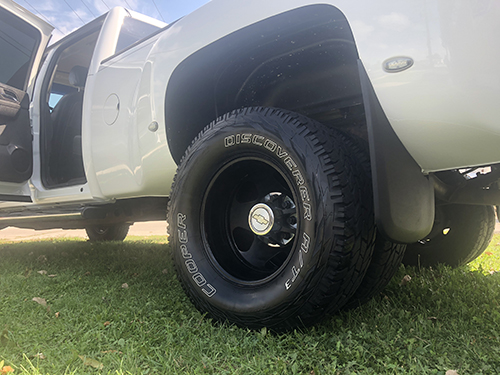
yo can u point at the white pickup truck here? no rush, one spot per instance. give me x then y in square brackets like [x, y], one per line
[300, 146]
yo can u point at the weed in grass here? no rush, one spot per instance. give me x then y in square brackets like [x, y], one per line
[442, 319]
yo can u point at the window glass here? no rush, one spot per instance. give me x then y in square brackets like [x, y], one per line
[18, 43]
[54, 99]
[132, 31]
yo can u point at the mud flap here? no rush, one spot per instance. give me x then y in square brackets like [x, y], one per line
[403, 196]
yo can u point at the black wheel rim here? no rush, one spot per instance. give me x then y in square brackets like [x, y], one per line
[249, 220]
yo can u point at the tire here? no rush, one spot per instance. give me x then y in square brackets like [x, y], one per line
[115, 232]
[460, 234]
[233, 262]
[387, 256]
[386, 260]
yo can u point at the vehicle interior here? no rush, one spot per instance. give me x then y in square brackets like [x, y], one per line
[61, 123]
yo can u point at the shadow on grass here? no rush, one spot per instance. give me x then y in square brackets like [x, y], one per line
[120, 305]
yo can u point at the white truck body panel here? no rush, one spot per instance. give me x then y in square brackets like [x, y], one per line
[127, 157]
[444, 109]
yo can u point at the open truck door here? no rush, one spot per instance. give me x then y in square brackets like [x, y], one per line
[23, 38]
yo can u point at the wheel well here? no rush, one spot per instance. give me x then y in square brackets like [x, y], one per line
[304, 60]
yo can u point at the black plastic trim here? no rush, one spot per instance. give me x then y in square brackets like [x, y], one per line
[403, 195]
[14, 198]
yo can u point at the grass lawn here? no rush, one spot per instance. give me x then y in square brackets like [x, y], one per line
[117, 308]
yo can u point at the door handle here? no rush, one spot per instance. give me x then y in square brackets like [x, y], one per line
[10, 96]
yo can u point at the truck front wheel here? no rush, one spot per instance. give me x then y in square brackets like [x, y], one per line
[267, 221]
[460, 234]
[114, 232]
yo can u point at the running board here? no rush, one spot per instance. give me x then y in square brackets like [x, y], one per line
[58, 221]
[78, 217]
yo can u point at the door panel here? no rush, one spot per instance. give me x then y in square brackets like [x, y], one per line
[15, 135]
[10, 101]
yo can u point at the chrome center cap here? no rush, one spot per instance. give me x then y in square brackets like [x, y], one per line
[261, 219]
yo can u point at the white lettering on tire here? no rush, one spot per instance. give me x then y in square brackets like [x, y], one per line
[190, 263]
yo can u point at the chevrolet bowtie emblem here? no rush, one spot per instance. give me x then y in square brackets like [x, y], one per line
[260, 219]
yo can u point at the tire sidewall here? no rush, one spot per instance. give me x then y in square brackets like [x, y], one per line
[225, 142]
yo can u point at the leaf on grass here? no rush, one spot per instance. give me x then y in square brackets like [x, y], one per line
[433, 318]
[86, 273]
[165, 271]
[58, 314]
[6, 369]
[124, 285]
[107, 323]
[52, 275]
[451, 372]
[405, 280]
[39, 356]
[41, 301]
[91, 362]
[42, 272]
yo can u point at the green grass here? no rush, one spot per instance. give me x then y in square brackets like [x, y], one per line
[489, 261]
[442, 319]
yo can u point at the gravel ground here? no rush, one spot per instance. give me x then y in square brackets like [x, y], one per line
[149, 228]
